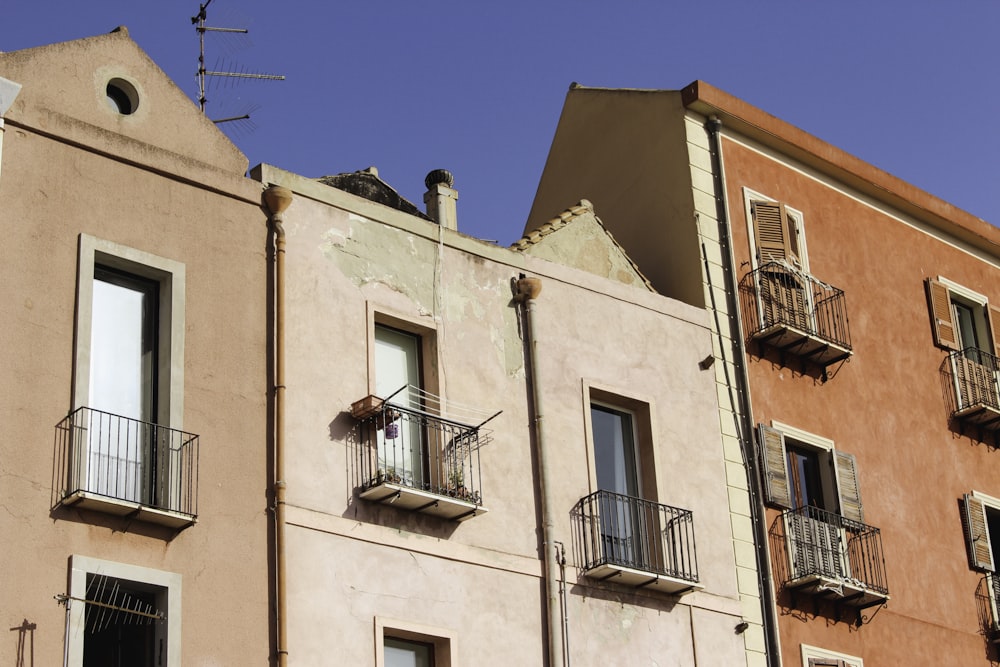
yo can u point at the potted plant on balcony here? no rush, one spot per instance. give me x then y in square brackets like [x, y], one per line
[456, 483]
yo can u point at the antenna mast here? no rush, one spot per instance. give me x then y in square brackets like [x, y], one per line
[199, 23]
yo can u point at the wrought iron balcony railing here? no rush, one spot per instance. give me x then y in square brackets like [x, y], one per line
[988, 603]
[975, 375]
[418, 460]
[123, 466]
[791, 310]
[835, 557]
[637, 542]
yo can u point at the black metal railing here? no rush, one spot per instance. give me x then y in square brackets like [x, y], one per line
[617, 529]
[104, 454]
[988, 605]
[975, 377]
[417, 450]
[825, 544]
[779, 295]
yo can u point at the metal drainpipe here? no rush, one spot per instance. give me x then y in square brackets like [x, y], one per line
[527, 290]
[757, 514]
[277, 199]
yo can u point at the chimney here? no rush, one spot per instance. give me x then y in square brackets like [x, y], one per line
[441, 198]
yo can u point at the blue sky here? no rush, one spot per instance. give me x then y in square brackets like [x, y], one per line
[476, 87]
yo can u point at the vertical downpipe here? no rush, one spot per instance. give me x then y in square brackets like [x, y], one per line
[768, 615]
[276, 200]
[526, 292]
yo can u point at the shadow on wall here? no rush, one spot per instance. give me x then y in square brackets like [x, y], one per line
[24, 655]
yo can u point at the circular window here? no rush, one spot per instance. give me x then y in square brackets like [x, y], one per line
[122, 97]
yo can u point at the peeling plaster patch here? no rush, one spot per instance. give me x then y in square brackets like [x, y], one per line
[354, 217]
[333, 239]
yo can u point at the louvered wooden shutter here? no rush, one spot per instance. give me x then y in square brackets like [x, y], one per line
[847, 484]
[980, 550]
[826, 662]
[772, 444]
[774, 232]
[941, 316]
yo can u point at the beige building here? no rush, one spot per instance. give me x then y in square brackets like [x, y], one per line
[133, 467]
[477, 472]
[856, 328]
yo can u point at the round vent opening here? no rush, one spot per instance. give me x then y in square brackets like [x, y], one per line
[122, 97]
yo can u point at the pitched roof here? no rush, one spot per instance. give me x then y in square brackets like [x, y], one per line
[367, 184]
[584, 208]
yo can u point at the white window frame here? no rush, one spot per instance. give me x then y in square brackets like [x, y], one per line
[831, 485]
[752, 195]
[442, 639]
[975, 299]
[821, 653]
[169, 582]
[170, 274]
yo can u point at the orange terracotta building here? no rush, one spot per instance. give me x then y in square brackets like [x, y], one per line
[857, 323]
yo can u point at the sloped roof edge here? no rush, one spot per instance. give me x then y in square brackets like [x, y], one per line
[560, 221]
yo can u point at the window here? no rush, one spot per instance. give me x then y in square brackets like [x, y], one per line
[783, 305]
[777, 232]
[804, 470]
[967, 325]
[403, 644]
[401, 447]
[982, 530]
[404, 653]
[114, 279]
[828, 547]
[982, 533]
[817, 657]
[626, 536]
[122, 615]
[128, 398]
[962, 319]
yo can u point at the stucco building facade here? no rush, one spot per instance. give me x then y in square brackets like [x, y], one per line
[486, 473]
[856, 329]
[133, 469]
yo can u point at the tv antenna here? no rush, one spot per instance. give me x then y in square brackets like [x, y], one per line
[199, 23]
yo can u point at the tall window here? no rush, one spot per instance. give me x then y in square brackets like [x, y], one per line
[123, 365]
[614, 450]
[128, 380]
[397, 368]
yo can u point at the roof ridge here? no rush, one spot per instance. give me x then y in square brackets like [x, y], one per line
[553, 224]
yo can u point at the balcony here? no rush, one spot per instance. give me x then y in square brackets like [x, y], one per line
[792, 311]
[420, 459]
[127, 467]
[974, 376]
[636, 542]
[988, 603]
[834, 558]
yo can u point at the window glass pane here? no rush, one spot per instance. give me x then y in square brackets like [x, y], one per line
[400, 443]
[401, 653]
[122, 352]
[614, 450]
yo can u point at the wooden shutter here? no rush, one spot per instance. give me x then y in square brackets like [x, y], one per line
[977, 534]
[993, 313]
[772, 445]
[942, 320]
[847, 484]
[774, 231]
[826, 662]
